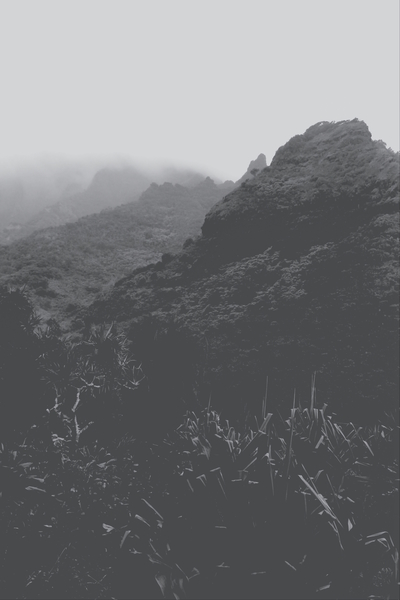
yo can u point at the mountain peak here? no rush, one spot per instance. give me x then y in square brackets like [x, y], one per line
[254, 167]
[259, 163]
[322, 141]
[207, 183]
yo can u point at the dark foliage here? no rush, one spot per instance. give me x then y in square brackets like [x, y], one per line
[118, 491]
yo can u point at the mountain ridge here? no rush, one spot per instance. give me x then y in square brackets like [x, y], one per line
[295, 272]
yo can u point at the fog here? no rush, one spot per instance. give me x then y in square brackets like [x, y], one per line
[28, 185]
[206, 84]
[53, 190]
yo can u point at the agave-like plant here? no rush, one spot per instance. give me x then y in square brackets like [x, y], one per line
[275, 511]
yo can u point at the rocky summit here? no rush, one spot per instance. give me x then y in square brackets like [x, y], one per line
[295, 273]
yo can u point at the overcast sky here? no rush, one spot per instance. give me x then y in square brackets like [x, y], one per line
[207, 83]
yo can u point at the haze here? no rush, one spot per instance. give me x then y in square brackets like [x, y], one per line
[204, 84]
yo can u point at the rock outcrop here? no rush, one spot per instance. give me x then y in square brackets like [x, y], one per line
[254, 168]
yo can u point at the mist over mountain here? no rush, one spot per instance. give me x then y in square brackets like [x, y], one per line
[295, 271]
[27, 188]
[52, 196]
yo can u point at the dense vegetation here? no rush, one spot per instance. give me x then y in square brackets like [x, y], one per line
[102, 497]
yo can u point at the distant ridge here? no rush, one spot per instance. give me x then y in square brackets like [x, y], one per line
[66, 266]
[109, 187]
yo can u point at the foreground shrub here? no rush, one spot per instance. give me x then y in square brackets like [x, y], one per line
[296, 507]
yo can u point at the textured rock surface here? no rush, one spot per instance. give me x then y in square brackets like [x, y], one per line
[296, 271]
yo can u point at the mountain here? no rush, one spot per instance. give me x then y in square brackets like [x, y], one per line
[66, 266]
[295, 272]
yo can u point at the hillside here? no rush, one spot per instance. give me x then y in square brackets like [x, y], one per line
[67, 266]
[296, 271]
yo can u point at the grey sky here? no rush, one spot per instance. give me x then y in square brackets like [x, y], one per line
[207, 83]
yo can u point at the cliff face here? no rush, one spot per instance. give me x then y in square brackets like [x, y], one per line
[296, 271]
